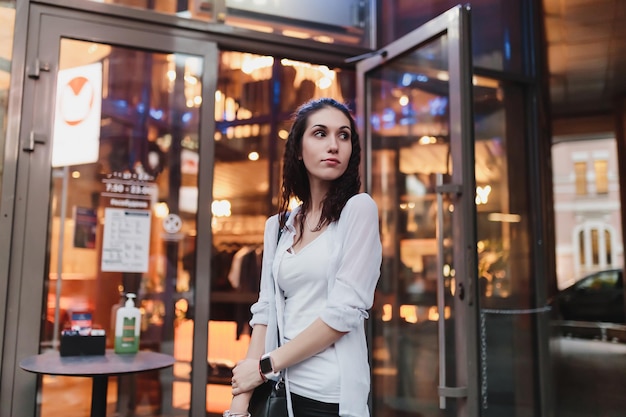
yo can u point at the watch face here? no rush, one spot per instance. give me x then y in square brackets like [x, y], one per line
[266, 365]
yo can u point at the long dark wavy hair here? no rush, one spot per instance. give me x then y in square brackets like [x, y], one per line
[295, 178]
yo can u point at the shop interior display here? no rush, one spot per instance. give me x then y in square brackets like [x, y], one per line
[126, 221]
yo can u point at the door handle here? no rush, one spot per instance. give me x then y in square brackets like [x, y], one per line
[443, 390]
[34, 70]
[33, 139]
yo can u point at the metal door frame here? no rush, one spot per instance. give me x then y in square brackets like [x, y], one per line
[455, 23]
[27, 261]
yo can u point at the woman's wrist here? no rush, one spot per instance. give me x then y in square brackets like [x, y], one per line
[227, 413]
[263, 378]
[266, 367]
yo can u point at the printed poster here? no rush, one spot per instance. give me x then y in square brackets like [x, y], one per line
[126, 240]
[85, 226]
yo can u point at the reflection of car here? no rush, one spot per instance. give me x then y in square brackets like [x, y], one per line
[596, 297]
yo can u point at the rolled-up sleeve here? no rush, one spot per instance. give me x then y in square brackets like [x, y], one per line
[358, 268]
[260, 309]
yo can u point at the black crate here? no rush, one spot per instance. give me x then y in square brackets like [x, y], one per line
[79, 345]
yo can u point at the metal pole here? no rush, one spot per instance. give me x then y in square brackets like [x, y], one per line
[57, 301]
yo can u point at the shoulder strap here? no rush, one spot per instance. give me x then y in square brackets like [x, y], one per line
[280, 229]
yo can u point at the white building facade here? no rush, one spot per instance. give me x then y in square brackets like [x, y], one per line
[587, 208]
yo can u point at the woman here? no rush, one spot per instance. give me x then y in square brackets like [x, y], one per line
[318, 281]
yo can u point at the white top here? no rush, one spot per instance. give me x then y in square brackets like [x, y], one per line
[352, 271]
[302, 278]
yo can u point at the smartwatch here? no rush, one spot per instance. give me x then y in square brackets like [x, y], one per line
[266, 367]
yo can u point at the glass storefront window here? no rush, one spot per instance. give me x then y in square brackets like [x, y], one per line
[410, 148]
[123, 213]
[7, 25]
[504, 258]
[255, 98]
[412, 141]
[496, 28]
[326, 21]
[124, 205]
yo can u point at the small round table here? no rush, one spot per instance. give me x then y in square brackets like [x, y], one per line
[98, 367]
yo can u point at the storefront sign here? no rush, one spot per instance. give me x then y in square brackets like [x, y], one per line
[76, 137]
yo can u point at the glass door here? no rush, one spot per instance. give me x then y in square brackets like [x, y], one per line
[111, 148]
[416, 113]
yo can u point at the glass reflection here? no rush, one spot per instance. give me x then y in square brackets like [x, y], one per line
[497, 29]
[324, 21]
[410, 149]
[409, 121]
[252, 121]
[506, 344]
[588, 318]
[123, 213]
[143, 159]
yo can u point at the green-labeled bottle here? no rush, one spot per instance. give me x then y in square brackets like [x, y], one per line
[127, 327]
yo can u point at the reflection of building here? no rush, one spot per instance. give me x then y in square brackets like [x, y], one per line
[587, 208]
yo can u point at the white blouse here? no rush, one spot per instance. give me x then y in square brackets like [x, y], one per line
[302, 279]
[352, 271]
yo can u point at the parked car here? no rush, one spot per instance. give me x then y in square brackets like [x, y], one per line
[596, 297]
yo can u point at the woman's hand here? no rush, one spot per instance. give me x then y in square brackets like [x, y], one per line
[239, 404]
[246, 376]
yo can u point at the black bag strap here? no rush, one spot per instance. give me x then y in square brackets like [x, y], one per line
[280, 233]
[280, 229]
